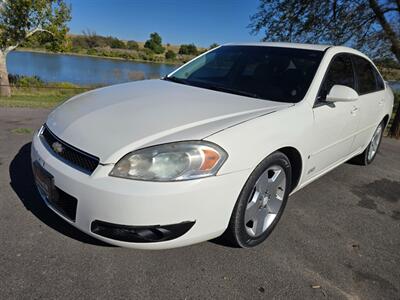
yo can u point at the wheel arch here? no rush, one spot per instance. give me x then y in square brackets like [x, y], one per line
[296, 163]
[386, 120]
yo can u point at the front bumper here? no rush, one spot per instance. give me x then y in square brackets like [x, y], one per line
[207, 202]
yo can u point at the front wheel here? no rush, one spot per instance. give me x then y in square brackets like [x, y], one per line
[261, 202]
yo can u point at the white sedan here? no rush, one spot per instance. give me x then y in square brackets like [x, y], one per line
[214, 148]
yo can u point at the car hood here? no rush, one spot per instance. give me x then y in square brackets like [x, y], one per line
[112, 121]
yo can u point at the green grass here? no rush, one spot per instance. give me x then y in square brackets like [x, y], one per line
[22, 130]
[38, 97]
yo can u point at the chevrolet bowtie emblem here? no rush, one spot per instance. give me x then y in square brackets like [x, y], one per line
[57, 147]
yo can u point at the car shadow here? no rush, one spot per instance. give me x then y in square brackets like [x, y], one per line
[224, 241]
[22, 183]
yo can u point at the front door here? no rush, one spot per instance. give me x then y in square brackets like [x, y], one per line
[335, 124]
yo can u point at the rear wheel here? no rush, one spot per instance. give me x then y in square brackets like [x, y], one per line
[370, 152]
[261, 202]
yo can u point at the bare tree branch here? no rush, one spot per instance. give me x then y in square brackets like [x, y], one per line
[390, 9]
[38, 29]
[387, 28]
[27, 35]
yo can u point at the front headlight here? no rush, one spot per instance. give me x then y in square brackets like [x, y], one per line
[171, 162]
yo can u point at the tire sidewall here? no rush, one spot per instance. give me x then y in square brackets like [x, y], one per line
[368, 161]
[242, 238]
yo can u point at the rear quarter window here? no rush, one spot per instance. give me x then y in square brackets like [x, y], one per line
[380, 84]
[366, 76]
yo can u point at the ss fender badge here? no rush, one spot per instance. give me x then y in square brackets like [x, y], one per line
[311, 170]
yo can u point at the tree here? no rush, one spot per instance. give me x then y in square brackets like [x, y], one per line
[91, 40]
[22, 19]
[190, 49]
[116, 43]
[155, 43]
[170, 54]
[372, 26]
[132, 45]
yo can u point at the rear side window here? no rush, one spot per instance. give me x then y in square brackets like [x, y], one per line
[379, 81]
[366, 77]
[340, 72]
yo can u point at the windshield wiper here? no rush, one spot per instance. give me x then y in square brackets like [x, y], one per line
[175, 79]
[232, 91]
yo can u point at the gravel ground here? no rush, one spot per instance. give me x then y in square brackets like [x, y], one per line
[338, 238]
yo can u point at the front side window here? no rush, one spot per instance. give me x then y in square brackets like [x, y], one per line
[365, 76]
[340, 72]
[270, 73]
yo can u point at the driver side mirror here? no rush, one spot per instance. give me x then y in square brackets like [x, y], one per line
[341, 93]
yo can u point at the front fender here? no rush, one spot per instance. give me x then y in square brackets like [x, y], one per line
[247, 144]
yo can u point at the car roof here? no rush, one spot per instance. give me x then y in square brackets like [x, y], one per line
[284, 45]
[316, 47]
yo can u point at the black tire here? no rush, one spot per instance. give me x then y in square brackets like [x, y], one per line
[236, 233]
[363, 159]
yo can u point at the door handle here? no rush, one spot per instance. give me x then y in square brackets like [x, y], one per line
[354, 110]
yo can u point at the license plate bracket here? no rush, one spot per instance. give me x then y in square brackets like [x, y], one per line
[44, 180]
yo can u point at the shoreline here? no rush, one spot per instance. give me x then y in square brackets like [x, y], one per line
[43, 51]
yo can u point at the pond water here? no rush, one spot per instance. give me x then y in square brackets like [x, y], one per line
[395, 85]
[82, 70]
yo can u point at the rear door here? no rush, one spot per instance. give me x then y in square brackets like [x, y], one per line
[335, 124]
[371, 90]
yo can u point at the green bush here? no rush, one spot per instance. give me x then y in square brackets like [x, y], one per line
[146, 55]
[190, 49]
[116, 43]
[132, 45]
[36, 82]
[170, 54]
[90, 40]
[25, 81]
[90, 43]
[155, 43]
[213, 45]
[92, 51]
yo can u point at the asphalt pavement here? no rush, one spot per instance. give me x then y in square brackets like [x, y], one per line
[339, 238]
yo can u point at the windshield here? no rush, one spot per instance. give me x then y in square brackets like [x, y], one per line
[271, 73]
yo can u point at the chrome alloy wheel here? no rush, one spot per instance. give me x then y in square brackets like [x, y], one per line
[376, 138]
[265, 201]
